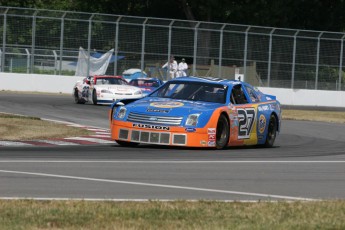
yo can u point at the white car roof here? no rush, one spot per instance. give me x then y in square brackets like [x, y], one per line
[132, 71]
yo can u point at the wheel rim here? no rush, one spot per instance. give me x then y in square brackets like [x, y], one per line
[222, 133]
[272, 129]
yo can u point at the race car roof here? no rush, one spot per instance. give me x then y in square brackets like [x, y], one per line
[208, 80]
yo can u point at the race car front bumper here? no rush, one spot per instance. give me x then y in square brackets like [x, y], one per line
[160, 135]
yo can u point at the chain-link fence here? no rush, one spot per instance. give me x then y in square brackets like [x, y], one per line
[45, 41]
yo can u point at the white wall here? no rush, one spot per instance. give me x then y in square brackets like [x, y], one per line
[37, 82]
[64, 84]
[304, 97]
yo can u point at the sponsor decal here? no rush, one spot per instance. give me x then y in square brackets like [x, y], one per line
[190, 130]
[211, 131]
[147, 126]
[264, 108]
[260, 137]
[169, 104]
[262, 123]
[157, 110]
[211, 143]
[211, 137]
[234, 123]
[202, 142]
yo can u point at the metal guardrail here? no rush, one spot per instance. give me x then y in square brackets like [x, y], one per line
[265, 56]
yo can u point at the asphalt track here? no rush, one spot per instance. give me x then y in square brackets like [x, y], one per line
[307, 163]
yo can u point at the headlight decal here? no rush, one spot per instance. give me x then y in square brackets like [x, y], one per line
[192, 119]
[122, 112]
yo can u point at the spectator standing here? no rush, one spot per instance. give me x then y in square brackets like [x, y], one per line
[172, 67]
[182, 68]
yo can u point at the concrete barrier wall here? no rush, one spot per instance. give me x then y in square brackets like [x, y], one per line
[303, 97]
[64, 84]
[37, 83]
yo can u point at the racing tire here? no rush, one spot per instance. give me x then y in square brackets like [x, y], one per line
[126, 143]
[271, 132]
[78, 100]
[94, 97]
[222, 132]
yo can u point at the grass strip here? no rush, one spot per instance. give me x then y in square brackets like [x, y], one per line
[29, 214]
[313, 115]
[16, 127]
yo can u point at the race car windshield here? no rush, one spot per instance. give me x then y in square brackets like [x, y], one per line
[193, 91]
[110, 81]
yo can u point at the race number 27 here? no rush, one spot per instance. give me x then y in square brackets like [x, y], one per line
[246, 118]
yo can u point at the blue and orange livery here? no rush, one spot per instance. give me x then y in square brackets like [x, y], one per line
[198, 112]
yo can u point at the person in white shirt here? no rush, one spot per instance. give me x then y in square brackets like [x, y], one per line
[182, 68]
[172, 67]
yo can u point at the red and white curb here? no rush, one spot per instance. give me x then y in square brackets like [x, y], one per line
[100, 136]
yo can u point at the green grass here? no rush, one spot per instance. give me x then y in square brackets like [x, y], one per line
[15, 127]
[28, 214]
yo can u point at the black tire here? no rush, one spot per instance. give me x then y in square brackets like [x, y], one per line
[126, 143]
[94, 97]
[78, 100]
[222, 132]
[271, 132]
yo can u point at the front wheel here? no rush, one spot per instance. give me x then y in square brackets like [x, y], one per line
[94, 97]
[77, 99]
[222, 132]
[271, 132]
[126, 143]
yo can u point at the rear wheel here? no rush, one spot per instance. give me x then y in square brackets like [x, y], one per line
[126, 143]
[77, 99]
[222, 132]
[271, 132]
[94, 97]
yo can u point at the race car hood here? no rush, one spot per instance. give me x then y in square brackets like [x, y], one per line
[118, 88]
[168, 107]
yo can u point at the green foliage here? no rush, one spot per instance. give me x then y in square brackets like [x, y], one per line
[313, 15]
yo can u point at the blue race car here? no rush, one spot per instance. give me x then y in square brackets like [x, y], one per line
[198, 112]
[147, 85]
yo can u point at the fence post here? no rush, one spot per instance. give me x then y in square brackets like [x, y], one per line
[27, 61]
[294, 59]
[195, 46]
[245, 52]
[143, 47]
[167, 76]
[270, 59]
[4, 42]
[116, 44]
[341, 61]
[221, 51]
[33, 42]
[89, 45]
[317, 59]
[61, 40]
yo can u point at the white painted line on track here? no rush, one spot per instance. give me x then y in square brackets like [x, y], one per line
[14, 143]
[171, 162]
[101, 135]
[96, 140]
[269, 196]
[57, 142]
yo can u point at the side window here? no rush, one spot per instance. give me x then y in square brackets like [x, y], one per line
[237, 95]
[252, 94]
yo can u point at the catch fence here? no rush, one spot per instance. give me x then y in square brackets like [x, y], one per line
[47, 41]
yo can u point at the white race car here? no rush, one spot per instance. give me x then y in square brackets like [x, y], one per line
[104, 90]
